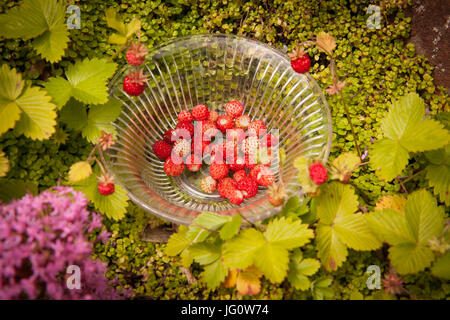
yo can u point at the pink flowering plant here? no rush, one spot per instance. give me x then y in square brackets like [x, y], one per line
[40, 237]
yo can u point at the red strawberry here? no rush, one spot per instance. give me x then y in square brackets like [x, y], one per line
[265, 156]
[265, 177]
[218, 170]
[300, 61]
[248, 186]
[269, 140]
[162, 149]
[250, 161]
[257, 128]
[185, 130]
[234, 109]
[209, 129]
[106, 185]
[199, 150]
[250, 145]
[239, 175]
[238, 164]
[254, 171]
[200, 112]
[170, 136]
[213, 115]
[185, 116]
[134, 83]
[243, 121]
[235, 197]
[208, 184]
[318, 173]
[136, 54]
[224, 123]
[235, 134]
[173, 168]
[230, 151]
[225, 186]
[181, 148]
[194, 163]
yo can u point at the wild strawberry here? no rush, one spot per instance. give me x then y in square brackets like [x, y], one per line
[170, 136]
[300, 61]
[218, 170]
[230, 151]
[276, 195]
[185, 116]
[225, 186]
[318, 173]
[235, 134]
[199, 150]
[235, 196]
[136, 54]
[243, 121]
[200, 112]
[209, 129]
[134, 83]
[237, 164]
[181, 148]
[248, 186]
[250, 161]
[208, 184]
[173, 168]
[162, 149]
[239, 175]
[185, 130]
[257, 128]
[213, 115]
[234, 109]
[269, 140]
[225, 122]
[194, 163]
[250, 145]
[254, 171]
[265, 177]
[106, 185]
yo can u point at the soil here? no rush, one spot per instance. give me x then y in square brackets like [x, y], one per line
[430, 34]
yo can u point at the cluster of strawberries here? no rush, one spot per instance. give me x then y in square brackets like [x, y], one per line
[238, 165]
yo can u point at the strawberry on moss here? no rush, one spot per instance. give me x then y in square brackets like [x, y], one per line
[300, 61]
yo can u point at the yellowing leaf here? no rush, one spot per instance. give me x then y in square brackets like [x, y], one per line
[239, 252]
[331, 250]
[410, 258]
[336, 199]
[343, 166]
[4, 164]
[355, 233]
[273, 261]
[79, 171]
[11, 84]
[389, 226]
[395, 202]
[325, 42]
[230, 280]
[247, 281]
[388, 158]
[287, 233]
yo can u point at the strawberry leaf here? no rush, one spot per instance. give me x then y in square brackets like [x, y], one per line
[337, 199]
[231, 228]
[100, 118]
[248, 281]
[79, 171]
[214, 274]
[4, 164]
[438, 173]
[388, 158]
[273, 262]
[178, 242]
[205, 253]
[288, 234]
[300, 269]
[240, 251]
[441, 267]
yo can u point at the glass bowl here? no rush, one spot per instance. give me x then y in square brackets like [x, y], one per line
[213, 70]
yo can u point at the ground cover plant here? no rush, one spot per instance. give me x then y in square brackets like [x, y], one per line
[380, 203]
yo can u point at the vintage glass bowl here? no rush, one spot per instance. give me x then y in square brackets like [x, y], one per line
[212, 70]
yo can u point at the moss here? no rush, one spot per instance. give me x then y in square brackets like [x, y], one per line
[377, 64]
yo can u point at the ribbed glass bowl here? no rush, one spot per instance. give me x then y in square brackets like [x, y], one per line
[213, 70]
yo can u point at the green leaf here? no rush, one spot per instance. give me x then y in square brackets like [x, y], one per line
[74, 115]
[302, 165]
[240, 251]
[390, 226]
[211, 221]
[214, 274]
[354, 232]
[423, 216]
[60, 90]
[331, 249]
[113, 206]
[335, 200]
[444, 118]
[300, 269]
[388, 158]
[197, 234]
[177, 242]
[100, 118]
[321, 289]
[288, 234]
[427, 135]
[11, 86]
[124, 32]
[272, 260]
[410, 258]
[40, 19]
[4, 164]
[205, 253]
[441, 267]
[15, 189]
[38, 115]
[114, 22]
[231, 228]
[438, 173]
